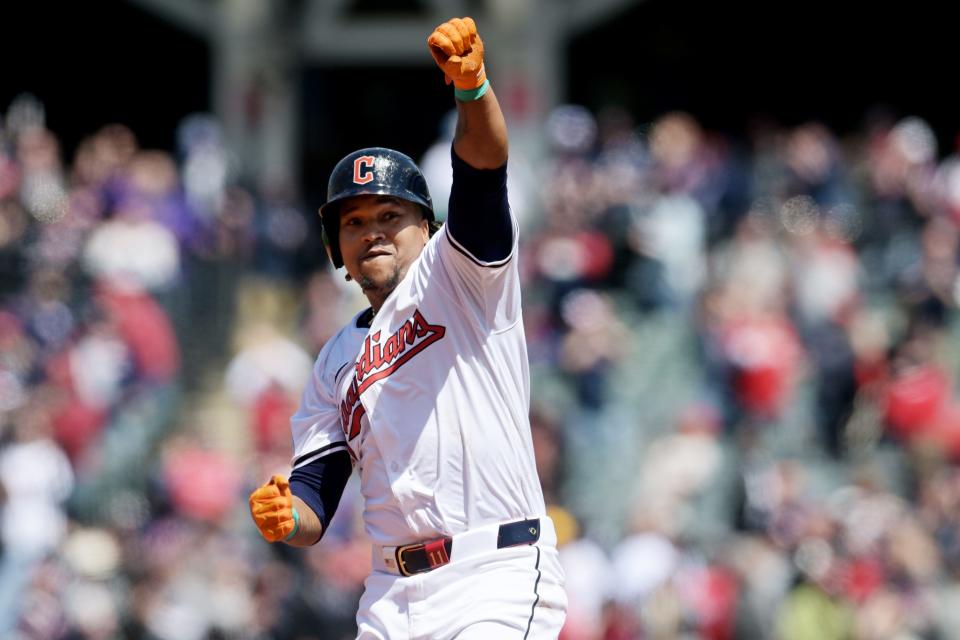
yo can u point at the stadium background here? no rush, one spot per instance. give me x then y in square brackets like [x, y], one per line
[740, 251]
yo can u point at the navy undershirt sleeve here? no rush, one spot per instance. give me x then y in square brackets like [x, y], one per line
[320, 483]
[478, 218]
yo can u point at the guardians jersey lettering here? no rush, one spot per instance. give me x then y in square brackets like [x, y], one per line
[379, 359]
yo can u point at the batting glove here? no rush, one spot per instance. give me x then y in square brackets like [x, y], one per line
[458, 50]
[271, 506]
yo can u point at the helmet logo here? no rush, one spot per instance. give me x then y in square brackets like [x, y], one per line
[363, 169]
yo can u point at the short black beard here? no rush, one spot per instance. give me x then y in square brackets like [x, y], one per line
[367, 284]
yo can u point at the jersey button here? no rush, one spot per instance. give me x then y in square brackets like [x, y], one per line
[394, 467]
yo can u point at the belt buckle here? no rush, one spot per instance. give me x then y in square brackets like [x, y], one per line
[401, 564]
[435, 552]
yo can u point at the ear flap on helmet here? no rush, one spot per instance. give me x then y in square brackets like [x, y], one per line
[330, 225]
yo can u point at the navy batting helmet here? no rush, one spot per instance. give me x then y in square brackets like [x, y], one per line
[372, 171]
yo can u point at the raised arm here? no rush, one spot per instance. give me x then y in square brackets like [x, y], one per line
[481, 137]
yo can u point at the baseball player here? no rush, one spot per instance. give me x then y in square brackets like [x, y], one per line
[426, 392]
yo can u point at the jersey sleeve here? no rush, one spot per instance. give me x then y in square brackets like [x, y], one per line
[320, 484]
[478, 266]
[479, 220]
[315, 426]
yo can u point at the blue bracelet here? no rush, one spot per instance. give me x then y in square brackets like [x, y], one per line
[296, 525]
[468, 95]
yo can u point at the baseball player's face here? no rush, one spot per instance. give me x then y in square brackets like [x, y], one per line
[380, 236]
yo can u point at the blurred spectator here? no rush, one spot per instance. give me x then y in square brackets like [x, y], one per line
[325, 309]
[133, 251]
[670, 237]
[758, 358]
[266, 379]
[642, 563]
[677, 468]
[814, 165]
[267, 360]
[145, 329]
[35, 481]
[596, 340]
[548, 448]
[200, 483]
[205, 162]
[589, 578]
[928, 286]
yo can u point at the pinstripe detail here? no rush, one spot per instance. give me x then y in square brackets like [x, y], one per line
[537, 599]
[336, 376]
[316, 453]
[492, 265]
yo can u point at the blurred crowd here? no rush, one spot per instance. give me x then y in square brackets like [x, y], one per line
[120, 276]
[771, 324]
[743, 358]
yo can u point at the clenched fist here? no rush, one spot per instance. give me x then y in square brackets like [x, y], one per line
[458, 50]
[271, 506]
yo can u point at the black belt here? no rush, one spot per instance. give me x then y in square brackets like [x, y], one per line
[426, 556]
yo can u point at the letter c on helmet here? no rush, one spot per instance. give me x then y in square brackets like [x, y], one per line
[363, 169]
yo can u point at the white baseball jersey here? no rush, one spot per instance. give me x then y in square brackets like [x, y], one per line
[431, 401]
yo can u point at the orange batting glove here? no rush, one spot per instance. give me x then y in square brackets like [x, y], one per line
[458, 50]
[271, 506]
